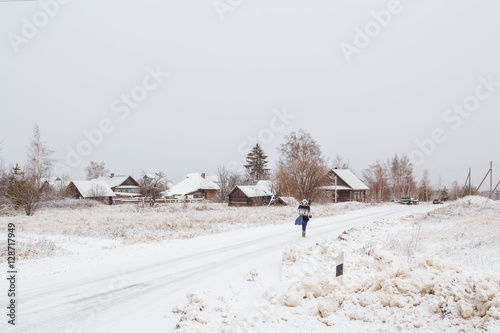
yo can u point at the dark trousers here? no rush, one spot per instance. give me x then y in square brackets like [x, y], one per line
[304, 224]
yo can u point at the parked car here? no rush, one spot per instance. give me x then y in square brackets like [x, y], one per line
[408, 201]
[437, 202]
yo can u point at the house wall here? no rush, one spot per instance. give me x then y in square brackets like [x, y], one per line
[126, 190]
[130, 182]
[72, 192]
[238, 198]
[259, 201]
[203, 194]
[348, 195]
[212, 194]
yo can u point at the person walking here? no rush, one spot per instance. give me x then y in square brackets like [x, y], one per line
[305, 212]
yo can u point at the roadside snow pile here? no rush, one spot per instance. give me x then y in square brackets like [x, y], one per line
[206, 312]
[412, 274]
[389, 291]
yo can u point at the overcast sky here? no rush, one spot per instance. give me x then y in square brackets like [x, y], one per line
[367, 79]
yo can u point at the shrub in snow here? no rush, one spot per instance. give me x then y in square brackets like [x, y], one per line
[67, 203]
[253, 275]
[6, 208]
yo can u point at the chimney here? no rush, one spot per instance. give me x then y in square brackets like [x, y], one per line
[112, 175]
[203, 175]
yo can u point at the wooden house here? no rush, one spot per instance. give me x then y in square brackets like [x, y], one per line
[346, 185]
[251, 195]
[121, 184]
[194, 186]
[90, 189]
[286, 201]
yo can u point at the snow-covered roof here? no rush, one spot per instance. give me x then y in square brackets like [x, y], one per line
[113, 181]
[265, 184]
[213, 179]
[290, 201]
[192, 183]
[93, 188]
[55, 182]
[350, 179]
[261, 189]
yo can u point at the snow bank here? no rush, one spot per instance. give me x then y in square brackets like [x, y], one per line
[410, 274]
[389, 291]
[433, 272]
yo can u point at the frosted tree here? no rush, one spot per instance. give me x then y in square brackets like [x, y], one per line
[152, 186]
[25, 188]
[95, 170]
[40, 159]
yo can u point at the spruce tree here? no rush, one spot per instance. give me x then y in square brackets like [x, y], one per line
[256, 164]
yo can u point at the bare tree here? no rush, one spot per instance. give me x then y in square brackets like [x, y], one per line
[279, 183]
[425, 187]
[377, 179]
[401, 176]
[228, 179]
[25, 189]
[340, 163]
[95, 170]
[152, 185]
[96, 190]
[302, 168]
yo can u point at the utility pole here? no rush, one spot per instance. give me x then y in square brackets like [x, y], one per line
[491, 179]
[469, 183]
[335, 188]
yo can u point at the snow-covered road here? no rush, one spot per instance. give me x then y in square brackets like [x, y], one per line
[133, 288]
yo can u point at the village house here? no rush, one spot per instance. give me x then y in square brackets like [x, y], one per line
[286, 201]
[251, 195]
[195, 186]
[347, 186]
[90, 189]
[55, 184]
[121, 184]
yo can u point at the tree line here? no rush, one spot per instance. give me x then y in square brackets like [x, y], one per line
[300, 171]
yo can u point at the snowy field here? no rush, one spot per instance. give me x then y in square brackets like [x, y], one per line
[77, 226]
[211, 268]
